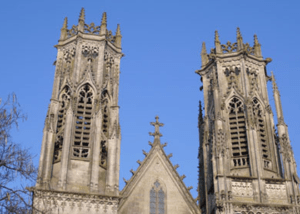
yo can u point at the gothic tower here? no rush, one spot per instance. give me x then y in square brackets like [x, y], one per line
[246, 164]
[80, 155]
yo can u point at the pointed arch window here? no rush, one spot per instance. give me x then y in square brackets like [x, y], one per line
[157, 199]
[81, 145]
[261, 129]
[64, 101]
[237, 125]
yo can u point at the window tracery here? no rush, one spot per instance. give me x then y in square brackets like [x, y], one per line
[238, 134]
[64, 102]
[81, 145]
[157, 199]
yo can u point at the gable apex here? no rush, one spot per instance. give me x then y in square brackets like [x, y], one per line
[157, 166]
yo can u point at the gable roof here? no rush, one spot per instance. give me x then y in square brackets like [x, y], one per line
[155, 152]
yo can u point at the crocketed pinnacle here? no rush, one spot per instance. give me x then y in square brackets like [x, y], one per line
[275, 88]
[204, 57]
[239, 39]
[81, 16]
[64, 29]
[103, 24]
[156, 133]
[118, 37]
[104, 19]
[217, 43]
[200, 119]
[81, 21]
[257, 48]
[65, 25]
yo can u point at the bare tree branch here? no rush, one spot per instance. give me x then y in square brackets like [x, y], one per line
[16, 165]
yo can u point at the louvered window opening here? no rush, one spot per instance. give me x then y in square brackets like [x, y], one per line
[105, 120]
[262, 132]
[157, 199]
[81, 146]
[103, 154]
[238, 133]
[61, 120]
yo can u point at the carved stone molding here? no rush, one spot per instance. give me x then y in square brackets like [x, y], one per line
[57, 202]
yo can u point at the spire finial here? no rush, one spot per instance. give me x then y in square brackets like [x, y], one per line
[103, 24]
[156, 133]
[63, 31]
[81, 20]
[204, 57]
[239, 39]
[118, 37]
[217, 43]
[257, 47]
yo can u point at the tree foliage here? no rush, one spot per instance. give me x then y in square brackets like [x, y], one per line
[16, 167]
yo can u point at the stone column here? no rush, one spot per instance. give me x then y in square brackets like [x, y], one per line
[42, 157]
[96, 153]
[66, 148]
[49, 158]
[111, 162]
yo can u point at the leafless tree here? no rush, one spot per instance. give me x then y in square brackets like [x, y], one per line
[16, 167]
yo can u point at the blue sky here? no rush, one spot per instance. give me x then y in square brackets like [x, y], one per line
[161, 42]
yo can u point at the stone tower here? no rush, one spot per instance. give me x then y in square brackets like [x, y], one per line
[80, 154]
[246, 164]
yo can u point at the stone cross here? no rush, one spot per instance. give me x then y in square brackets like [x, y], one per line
[156, 133]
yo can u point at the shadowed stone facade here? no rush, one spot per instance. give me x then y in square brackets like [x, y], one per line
[245, 165]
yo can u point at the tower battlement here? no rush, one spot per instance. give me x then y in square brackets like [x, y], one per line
[90, 31]
[230, 49]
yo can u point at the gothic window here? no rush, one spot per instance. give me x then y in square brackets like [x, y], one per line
[64, 100]
[261, 131]
[81, 145]
[157, 199]
[64, 103]
[238, 134]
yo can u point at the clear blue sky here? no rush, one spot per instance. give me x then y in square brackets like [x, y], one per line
[161, 42]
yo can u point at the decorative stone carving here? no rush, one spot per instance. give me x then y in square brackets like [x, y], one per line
[55, 202]
[229, 47]
[276, 193]
[221, 147]
[91, 28]
[242, 190]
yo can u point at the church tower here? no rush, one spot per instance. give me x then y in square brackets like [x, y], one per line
[246, 164]
[80, 155]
